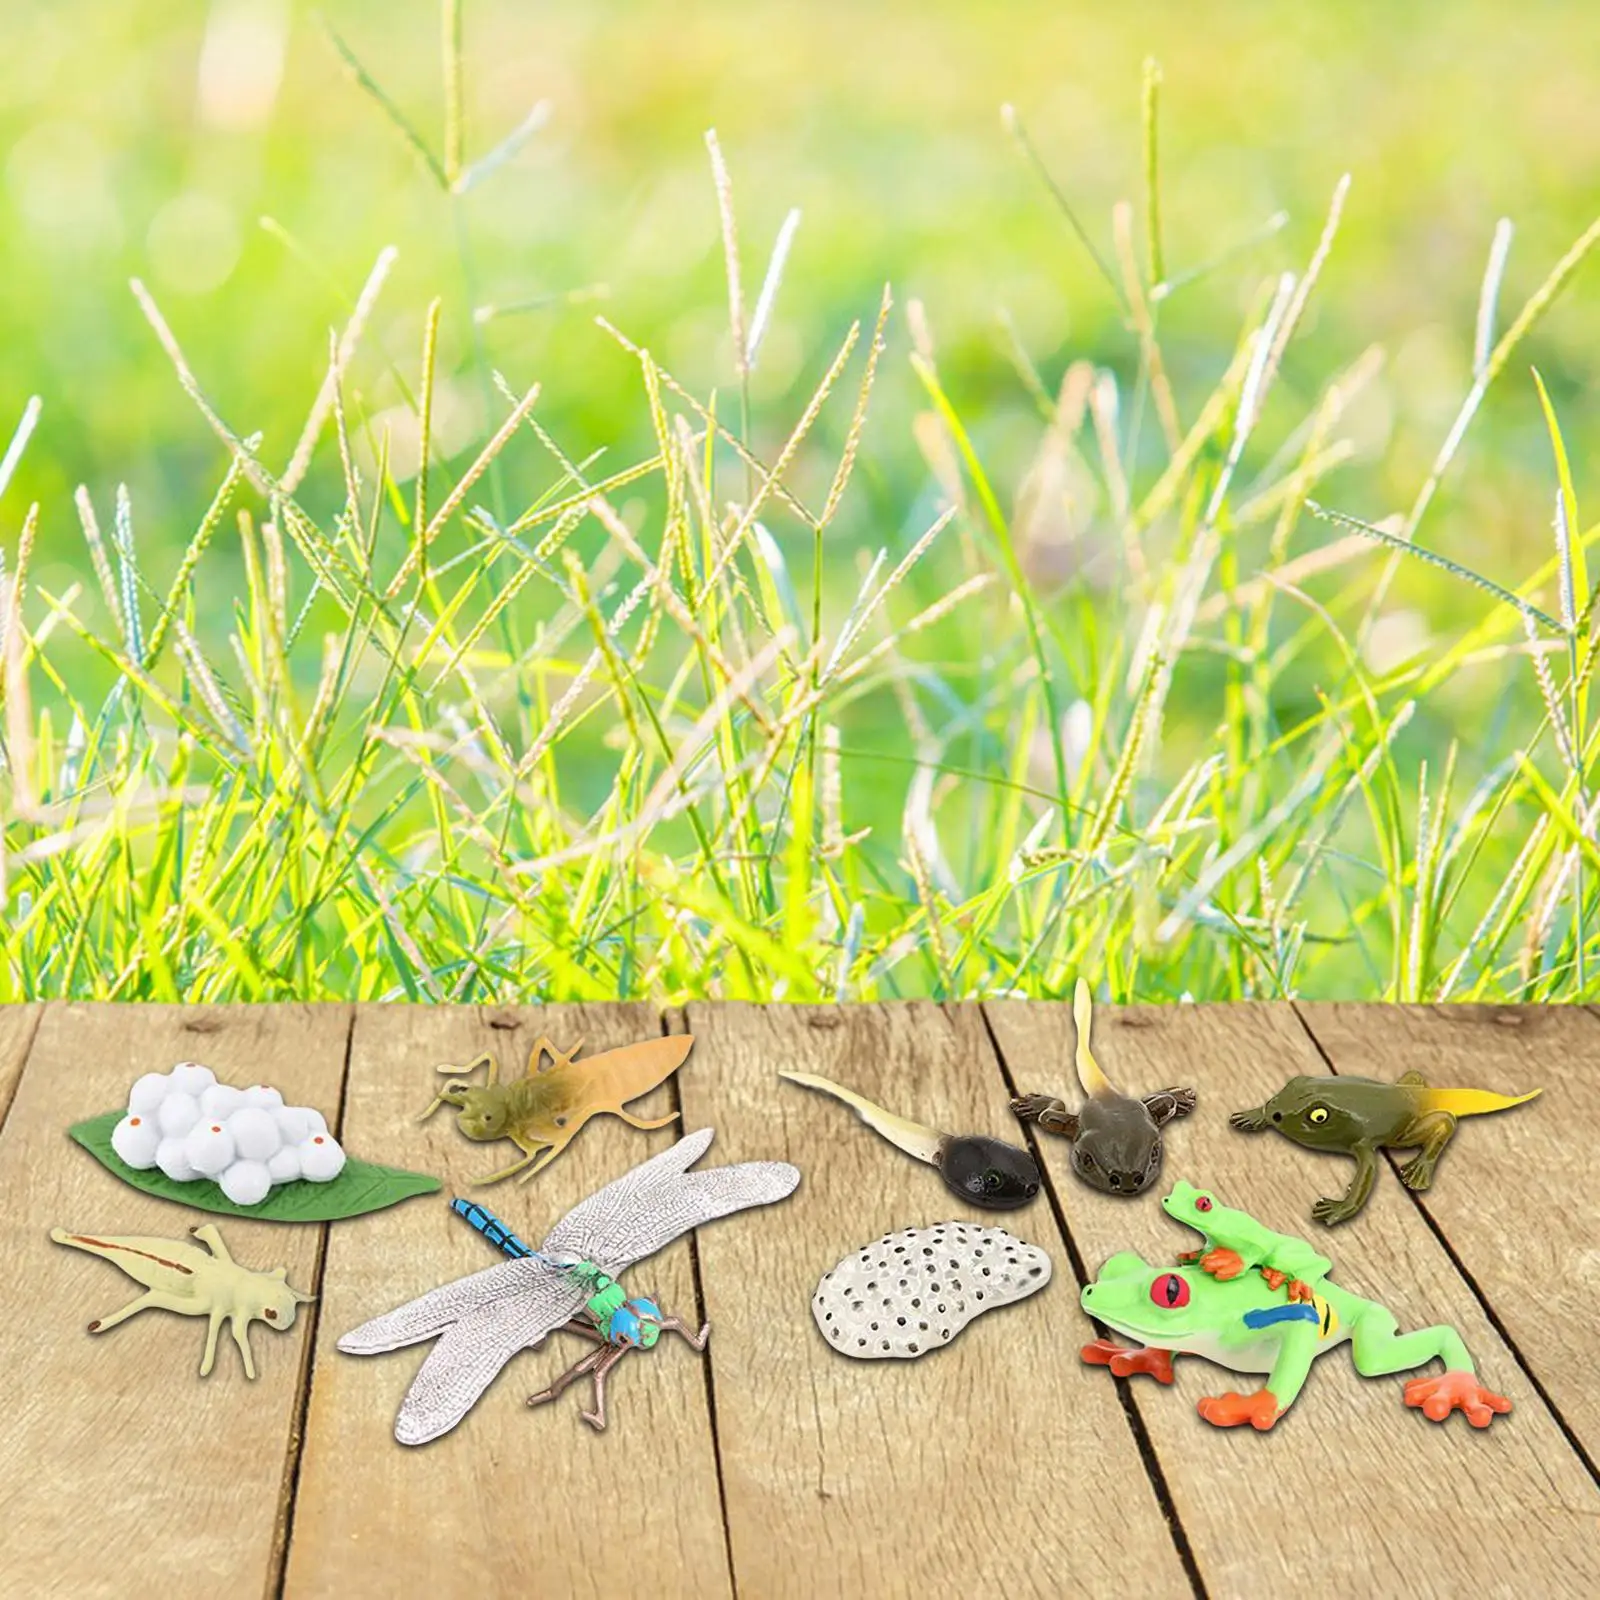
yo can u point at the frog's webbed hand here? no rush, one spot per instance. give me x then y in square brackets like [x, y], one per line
[1252, 1121]
[1284, 1383]
[1050, 1113]
[1332, 1212]
[1222, 1263]
[1169, 1104]
[1125, 1362]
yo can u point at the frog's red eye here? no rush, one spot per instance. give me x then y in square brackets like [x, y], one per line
[1170, 1290]
[1203, 1203]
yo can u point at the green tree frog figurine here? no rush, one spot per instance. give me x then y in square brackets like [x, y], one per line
[1254, 1301]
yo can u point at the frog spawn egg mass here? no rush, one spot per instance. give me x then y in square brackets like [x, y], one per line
[914, 1291]
[247, 1140]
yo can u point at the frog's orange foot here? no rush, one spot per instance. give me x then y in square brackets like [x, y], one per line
[1229, 1410]
[1189, 1257]
[1222, 1263]
[1299, 1290]
[1124, 1363]
[1275, 1279]
[1456, 1391]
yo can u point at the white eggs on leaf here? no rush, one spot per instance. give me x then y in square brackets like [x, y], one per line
[221, 1100]
[173, 1160]
[209, 1147]
[256, 1136]
[284, 1166]
[246, 1140]
[147, 1093]
[191, 1078]
[178, 1114]
[136, 1139]
[246, 1182]
[321, 1159]
[296, 1124]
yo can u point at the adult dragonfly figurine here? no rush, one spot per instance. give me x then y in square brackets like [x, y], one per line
[569, 1283]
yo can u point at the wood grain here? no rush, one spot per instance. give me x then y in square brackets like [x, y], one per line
[983, 1468]
[122, 1472]
[1515, 1193]
[1349, 1482]
[17, 1025]
[512, 1500]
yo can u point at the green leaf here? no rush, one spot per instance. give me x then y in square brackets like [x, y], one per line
[361, 1187]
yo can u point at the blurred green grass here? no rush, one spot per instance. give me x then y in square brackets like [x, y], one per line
[149, 140]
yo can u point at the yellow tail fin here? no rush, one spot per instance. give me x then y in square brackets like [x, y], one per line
[1470, 1102]
[1094, 1081]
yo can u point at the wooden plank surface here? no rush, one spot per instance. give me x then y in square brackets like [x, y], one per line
[1516, 1194]
[122, 1472]
[774, 1466]
[512, 1500]
[17, 1025]
[1350, 1481]
[983, 1468]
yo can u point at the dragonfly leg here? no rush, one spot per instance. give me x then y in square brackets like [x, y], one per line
[549, 1155]
[646, 1122]
[679, 1327]
[571, 1375]
[516, 1166]
[558, 1058]
[597, 1418]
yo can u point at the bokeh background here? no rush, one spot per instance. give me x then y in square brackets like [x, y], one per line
[149, 139]
[218, 150]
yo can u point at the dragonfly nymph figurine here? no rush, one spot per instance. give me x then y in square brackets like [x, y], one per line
[570, 1284]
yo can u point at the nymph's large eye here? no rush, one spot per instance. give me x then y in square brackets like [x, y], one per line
[1203, 1203]
[1317, 1114]
[1170, 1290]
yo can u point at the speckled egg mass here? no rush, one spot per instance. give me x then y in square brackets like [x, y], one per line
[914, 1291]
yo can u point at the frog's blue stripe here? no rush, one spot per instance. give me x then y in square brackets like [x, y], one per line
[492, 1228]
[1299, 1312]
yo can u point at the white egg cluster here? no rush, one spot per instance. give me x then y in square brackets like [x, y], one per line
[247, 1140]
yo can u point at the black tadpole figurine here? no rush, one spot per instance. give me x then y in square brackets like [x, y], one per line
[1116, 1141]
[983, 1172]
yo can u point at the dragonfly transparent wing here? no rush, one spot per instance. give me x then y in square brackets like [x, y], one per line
[484, 1321]
[659, 1200]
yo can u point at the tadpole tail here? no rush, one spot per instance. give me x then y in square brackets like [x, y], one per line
[926, 1144]
[1094, 1081]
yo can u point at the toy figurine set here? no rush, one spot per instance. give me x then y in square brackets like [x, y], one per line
[1248, 1299]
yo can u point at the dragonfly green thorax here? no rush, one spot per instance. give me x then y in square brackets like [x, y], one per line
[618, 1318]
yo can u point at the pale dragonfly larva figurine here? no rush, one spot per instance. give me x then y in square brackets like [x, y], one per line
[178, 1277]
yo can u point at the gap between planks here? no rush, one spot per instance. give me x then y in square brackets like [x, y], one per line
[283, 1530]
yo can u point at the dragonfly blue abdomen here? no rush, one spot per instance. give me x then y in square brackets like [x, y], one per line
[492, 1228]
